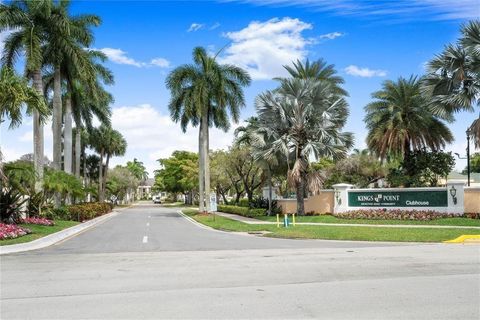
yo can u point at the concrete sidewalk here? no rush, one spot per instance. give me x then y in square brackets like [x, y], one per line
[255, 221]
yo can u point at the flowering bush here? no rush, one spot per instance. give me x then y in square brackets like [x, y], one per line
[87, 211]
[11, 231]
[39, 221]
[394, 214]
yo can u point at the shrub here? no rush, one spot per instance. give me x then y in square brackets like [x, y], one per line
[243, 203]
[58, 213]
[87, 211]
[472, 215]
[246, 212]
[262, 203]
[39, 221]
[395, 214]
[10, 205]
[11, 231]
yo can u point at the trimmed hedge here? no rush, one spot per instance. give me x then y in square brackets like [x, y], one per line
[242, 211]
[81, 212]
[395, 214]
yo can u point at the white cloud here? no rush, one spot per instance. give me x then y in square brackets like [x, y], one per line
[398, 9]
[120, 57]
[195, 27]
[151, 135]
[262, 48]
[214, 26]
[160, 62]
[332, 35]
[364, 72]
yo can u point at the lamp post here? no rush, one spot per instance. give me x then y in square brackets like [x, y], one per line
[468, 157]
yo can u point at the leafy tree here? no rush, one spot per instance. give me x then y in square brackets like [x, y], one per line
[422, 168]
[221, 181]
[402, 120]
[201, 94]
[474, 163]
[178, 174]
[121, 182]
[453, 79]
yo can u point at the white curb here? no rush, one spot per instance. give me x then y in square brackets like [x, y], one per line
[56, 237]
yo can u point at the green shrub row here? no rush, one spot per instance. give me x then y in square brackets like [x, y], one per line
[243, 211]
[80, 212]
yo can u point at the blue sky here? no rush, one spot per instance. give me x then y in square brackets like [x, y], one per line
[368, 41]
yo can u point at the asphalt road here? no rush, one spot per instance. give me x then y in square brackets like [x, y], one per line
[149, 263]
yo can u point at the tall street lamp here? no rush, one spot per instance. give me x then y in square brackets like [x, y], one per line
[468, 157]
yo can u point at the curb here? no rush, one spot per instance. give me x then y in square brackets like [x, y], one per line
[56, 237]
[465, 238]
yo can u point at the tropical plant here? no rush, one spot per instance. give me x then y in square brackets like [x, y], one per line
[303, 118]
[402, 120]
[29, 22]
[453, 79]
[201, 94]
[137, 168]
[107, 142]
[11, 202]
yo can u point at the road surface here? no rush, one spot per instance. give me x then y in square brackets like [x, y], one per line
[149, 263]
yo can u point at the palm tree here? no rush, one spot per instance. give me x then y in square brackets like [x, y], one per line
[202, 93]
[107, 142]
[401, 120]
[453, 79]
[29, 22]
[68, 36]
[303, 119]
[138, 169]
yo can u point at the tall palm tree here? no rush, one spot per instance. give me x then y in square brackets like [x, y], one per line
[107, 142]
[304, 118]
[453, 79]
[402, 119]
[29, 21]
[203, 94]
[68, 36]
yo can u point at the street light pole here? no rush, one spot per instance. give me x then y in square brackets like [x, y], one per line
[468, 158]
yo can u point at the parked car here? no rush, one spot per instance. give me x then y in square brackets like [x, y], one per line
[157, 199]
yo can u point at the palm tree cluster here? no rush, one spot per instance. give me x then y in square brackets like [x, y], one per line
[67, 81]
[300, 120]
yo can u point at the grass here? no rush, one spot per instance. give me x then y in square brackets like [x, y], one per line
[334, 232]
[325, 218]
[39, 231]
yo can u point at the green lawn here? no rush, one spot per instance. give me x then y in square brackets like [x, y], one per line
[334, 232]
[39, 231]
[325, 218]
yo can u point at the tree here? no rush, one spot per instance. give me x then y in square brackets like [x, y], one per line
[137, 169]
[201, 95]
[107, 142]
[422, 168]
[474, 163]
[29, 21]
[121, 182]
[453, 79]
[178, 174]
[303, 118]
[402, 120]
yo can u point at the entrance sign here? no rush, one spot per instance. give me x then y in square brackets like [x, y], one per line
[213, 202]
[448, 199]
[404, 199]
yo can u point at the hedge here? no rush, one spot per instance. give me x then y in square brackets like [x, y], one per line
[81, 212]
[243, 211]
[395, 214]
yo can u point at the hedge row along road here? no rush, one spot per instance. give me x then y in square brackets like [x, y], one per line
[150, 262]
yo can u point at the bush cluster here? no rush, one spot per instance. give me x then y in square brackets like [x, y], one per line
[395, 214]
[80, 212]
[38, 221]
[12, 231]
[246, 212]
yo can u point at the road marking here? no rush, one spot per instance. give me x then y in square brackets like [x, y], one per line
[148, 224]
[145, 239]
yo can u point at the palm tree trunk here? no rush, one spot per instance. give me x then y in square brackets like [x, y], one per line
[300, 199]
[57, 121]
[67, 147]
[207, 165]
[38, 135]
[100, 178]
[78, 148]
[105, 173]
[201, 172]
[269, 191]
